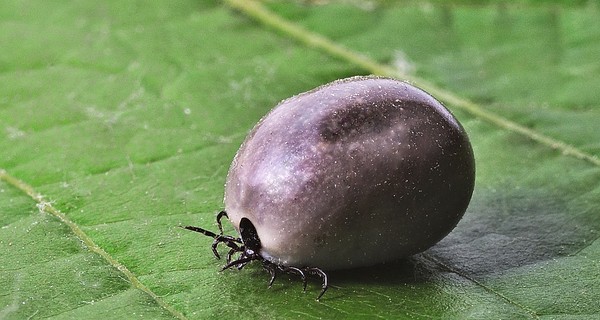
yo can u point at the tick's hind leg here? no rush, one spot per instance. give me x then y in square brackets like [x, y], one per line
[321, 274]
[273, 268]
[296, 271]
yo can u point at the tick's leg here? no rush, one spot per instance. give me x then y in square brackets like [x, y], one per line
[230, 254]
[203, 231]
[243, 261]
[271, 269]
[242, 265]
[229, 241]
[321, 274]
[297, 271]
[219, 216]
[214, 248]
[220, 238]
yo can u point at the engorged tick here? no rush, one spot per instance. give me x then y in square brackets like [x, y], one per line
[357, 172]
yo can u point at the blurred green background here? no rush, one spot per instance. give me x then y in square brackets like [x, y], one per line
[119, 119]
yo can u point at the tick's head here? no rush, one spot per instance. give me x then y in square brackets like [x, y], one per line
[250, 236]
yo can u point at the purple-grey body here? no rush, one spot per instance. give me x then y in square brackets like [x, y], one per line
[354, 173]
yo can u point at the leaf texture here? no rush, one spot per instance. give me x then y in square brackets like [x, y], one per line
[118, 122]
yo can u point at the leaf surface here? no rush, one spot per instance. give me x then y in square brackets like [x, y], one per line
[118, 122]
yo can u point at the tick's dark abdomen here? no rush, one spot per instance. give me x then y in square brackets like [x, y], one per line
[357, 172]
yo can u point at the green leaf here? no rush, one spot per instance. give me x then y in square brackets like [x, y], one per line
[118, 122]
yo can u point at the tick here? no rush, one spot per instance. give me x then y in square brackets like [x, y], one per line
[357, 172]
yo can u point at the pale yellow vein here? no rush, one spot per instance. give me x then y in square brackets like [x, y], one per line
[257, 11]
[48, 208]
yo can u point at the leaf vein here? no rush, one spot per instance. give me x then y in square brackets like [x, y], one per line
[47, 207]
[531, 312]
[258, 12]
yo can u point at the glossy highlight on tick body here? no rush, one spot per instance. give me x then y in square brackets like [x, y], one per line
[357, 172]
